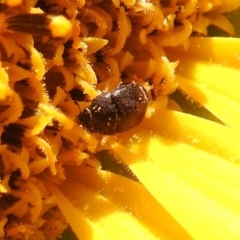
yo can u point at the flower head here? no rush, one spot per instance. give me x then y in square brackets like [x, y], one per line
[58, 56]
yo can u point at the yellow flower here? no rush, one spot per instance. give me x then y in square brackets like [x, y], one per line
[57, 56]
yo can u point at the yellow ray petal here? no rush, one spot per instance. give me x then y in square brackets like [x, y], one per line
[213, 85]
[204, 184]
[207, 135]
[226, 109]
[177, 180]
[222, 79]
[92, 215]
[73, 216]
[220, 50]
[133, 197]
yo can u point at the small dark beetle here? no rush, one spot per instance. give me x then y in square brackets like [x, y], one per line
[116, 111]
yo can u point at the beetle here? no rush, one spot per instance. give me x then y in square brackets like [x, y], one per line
[116, 111]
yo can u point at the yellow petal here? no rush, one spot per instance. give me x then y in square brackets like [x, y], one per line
[92, 215]
[73, 216]
[219, 50]
[192, 183]
[132, 197]
[221, 106]
[211, 84]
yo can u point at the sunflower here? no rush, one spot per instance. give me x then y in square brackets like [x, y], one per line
[174, 175]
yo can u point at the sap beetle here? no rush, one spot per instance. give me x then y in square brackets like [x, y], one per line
[116, 111]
